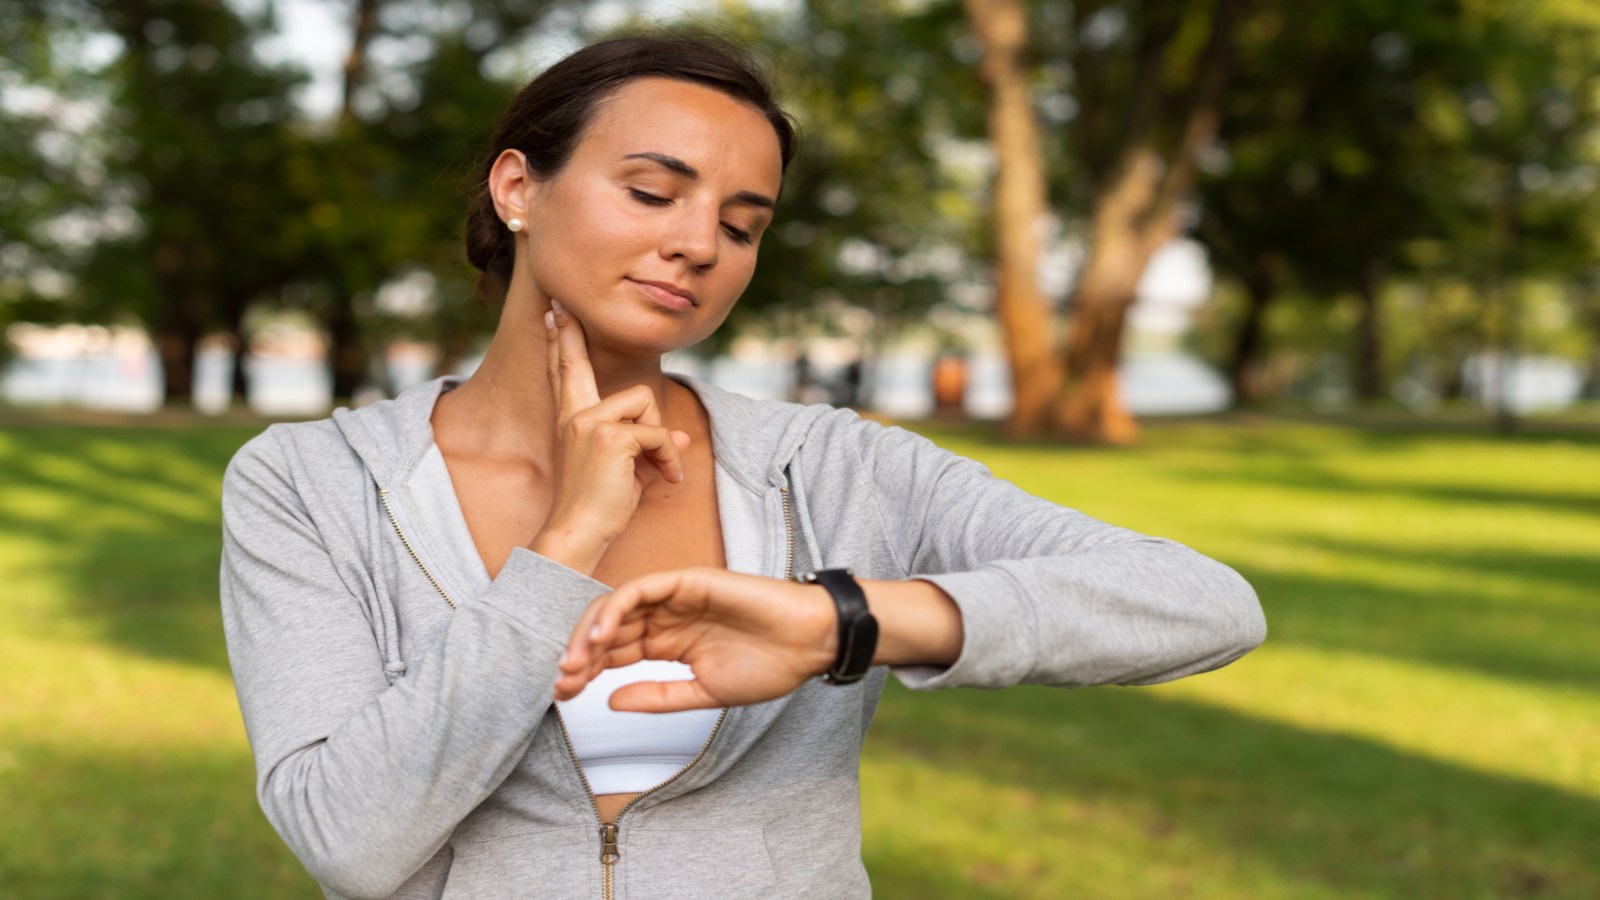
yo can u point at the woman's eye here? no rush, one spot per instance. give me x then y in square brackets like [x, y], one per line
[738, 234]
[651, 199]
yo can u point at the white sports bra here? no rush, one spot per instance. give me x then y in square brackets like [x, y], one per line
[621, 753]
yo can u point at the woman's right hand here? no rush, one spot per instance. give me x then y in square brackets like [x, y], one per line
[607, 451]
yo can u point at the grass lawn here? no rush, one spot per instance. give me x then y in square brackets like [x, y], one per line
[1424, 720]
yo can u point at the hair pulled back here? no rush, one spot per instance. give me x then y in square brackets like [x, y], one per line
[548, 117]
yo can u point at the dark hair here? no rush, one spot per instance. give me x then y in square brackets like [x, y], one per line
[550, 114]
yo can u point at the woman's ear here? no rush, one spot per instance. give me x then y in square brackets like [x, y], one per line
[511, 186]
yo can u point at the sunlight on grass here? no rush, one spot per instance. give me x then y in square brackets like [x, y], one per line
[123, 764]
[1539, 733]
[933, 827]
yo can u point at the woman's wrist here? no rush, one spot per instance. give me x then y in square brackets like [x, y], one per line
[572, 548]
[918, 623]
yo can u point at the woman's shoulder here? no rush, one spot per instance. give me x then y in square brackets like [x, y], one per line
[379, 440]
[283, 442]
[291, 459]
[763, 434]
[771, 435]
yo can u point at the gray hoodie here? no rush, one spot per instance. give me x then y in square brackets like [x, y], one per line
[405, 740]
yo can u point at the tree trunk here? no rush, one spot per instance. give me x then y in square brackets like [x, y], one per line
[1588, 304]
[1133, 217]
[1020, 206]
[1369, 337]
[1090, 408]
[1503, 235]
[239, 390]
[177, 340]
[346, 351]
[346, 354]
[239, 385]
[1245, 363]
[355, 62]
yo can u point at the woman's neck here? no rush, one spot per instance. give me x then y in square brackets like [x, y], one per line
[507, 410]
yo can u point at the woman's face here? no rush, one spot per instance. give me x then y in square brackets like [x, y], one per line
[649, 234]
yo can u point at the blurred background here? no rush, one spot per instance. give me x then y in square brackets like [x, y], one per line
[1314, 288]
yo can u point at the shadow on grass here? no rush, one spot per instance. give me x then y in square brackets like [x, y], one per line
[1540, 639]
[1309, 458]
[1332, 811]
[131, 528]
[1320, 809]
[1305, 475]
[1548, 635]
[152, 823]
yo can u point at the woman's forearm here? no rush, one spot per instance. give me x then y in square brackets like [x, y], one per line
[918, 624]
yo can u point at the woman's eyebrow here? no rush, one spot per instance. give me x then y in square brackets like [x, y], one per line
[678, 166]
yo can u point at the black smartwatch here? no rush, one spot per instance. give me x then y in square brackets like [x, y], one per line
[858, 630]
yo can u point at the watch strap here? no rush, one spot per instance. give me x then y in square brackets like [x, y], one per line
[858, 629]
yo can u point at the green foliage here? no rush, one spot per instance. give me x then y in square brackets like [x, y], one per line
[391, 182]
[1444, 148]
[46, 122]
[199, 133]
[155, 166]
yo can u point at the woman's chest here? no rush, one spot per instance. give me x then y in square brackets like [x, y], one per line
[678, 529]
[674, 526]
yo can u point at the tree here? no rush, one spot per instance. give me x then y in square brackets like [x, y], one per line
[1019, 208]
[390, 173]
[870, 217]
[47, 208]
[1148, 77]
[1365, 147]
[1317, 183]
[198, 137]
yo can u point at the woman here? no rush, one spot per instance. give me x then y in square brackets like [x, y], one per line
[442, 690]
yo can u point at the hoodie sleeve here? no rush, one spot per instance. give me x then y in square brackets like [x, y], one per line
[1047, 594]
[365, 780]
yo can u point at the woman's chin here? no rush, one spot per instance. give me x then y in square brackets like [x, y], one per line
[642, 342]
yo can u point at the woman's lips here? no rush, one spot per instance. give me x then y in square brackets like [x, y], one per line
[667, 295]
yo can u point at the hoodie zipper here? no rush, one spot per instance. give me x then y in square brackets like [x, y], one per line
[788, 536]
[609, 831]
[383, 497]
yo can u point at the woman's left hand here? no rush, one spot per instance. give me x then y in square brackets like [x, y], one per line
[748, 639]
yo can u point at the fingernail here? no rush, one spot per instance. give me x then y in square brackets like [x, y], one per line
[556, 305]
[565, 656]
[549, 319]
[594, 633]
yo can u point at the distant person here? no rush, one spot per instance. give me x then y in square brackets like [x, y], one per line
[430, 601]
[849, 385]
[949, 385]
[804, 382]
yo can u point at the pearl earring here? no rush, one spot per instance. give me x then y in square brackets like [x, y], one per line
[514, 224]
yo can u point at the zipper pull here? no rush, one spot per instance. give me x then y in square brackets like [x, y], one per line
[608, 844]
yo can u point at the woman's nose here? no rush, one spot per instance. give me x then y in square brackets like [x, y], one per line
[693, 238]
